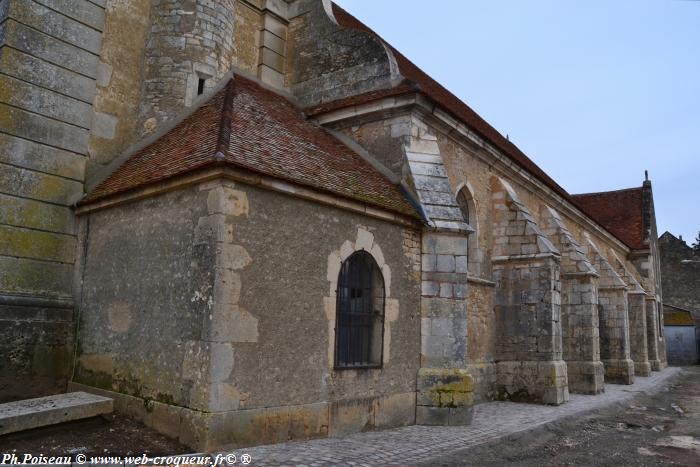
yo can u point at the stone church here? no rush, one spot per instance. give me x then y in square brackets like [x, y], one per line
[249, 221]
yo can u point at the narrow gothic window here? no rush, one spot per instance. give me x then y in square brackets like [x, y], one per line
[463, 199]
[359, 329]
[200, 86]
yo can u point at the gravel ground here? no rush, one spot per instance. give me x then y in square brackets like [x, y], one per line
[662, 429]
[105, 435]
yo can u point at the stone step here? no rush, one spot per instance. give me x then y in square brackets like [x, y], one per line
[42, 411]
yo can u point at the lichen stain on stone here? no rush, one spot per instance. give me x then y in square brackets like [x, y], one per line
[119, 316]
[232, 256]
[98, 363]
[226, 200]
[278, 425]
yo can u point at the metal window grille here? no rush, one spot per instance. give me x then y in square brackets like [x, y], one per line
[360, 313]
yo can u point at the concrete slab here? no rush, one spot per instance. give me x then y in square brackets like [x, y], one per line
[42, 411]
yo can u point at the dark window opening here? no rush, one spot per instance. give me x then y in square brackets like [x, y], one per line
[359, 328]
[463, 199]
[200, 86]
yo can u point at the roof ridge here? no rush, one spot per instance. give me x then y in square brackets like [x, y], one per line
[224, 137]
[639, 188]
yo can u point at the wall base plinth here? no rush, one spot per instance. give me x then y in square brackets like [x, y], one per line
[445, 397]
[532, 381]
[209, 431]
[642, 368]
[586, 377]
[619, 371]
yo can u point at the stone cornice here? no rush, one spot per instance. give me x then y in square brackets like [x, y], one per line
[253, 179]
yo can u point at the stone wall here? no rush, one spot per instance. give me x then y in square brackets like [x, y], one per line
[682, 345]
[680, 273]
[526, 269]
[326, 62]
[120, 74]
[189, 41]
[147, 277]
[48, 67]
[580, 322]
[613, 318]
[241, 316]
[654, 341]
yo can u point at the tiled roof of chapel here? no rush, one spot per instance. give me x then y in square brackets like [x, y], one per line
[621, 212]
[256, 129]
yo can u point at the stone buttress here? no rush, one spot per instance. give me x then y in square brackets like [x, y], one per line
[614, 321]
[579, 309]
[445, 387]
[526, 267]
[637, 319]
[652, 318]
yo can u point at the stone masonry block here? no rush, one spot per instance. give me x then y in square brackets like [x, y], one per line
[445, 263]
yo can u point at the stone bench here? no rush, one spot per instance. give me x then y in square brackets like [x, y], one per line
[42, 411]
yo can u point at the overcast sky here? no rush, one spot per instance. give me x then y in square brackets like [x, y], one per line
[594, 91]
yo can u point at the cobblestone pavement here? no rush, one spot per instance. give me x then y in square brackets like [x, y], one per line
[415, 444]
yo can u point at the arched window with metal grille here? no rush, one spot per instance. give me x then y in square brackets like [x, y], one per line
[359, 331]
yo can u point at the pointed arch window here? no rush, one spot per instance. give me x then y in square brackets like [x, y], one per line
[465, 201]
[359, 329]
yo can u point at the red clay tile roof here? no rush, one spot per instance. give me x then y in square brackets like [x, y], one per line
[620, 212]
[449, 102]
[258, 130]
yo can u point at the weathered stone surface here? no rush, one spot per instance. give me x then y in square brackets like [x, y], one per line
[445, 397]
[39, 186]
[613, 318]
[579, 306]
[680, 280]
[29, 276]
[218, 260]
[36, 339]
[40, 129]
[328, 62]
[45, 47]
[527, 304]
[33, 413]
[653, 338]
[22, 212]
[188, 40]
[41, 158]
[56, 24]
[639, 347]
[90, 12]
[35, 70]
[27, 243]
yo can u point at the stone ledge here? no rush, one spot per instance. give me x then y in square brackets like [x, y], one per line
[43, 411]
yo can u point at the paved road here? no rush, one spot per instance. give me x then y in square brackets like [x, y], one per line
[421, 444]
